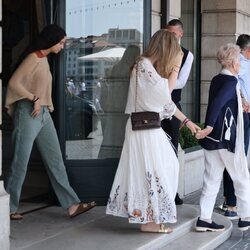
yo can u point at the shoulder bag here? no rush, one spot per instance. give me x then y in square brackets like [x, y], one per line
[146, 119]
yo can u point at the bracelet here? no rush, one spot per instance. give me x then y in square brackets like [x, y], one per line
[35, 98]
[185, 121]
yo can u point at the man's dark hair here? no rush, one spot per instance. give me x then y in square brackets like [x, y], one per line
[175, 22]
[243, 41]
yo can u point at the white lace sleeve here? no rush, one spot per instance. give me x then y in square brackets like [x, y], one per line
[168, 110]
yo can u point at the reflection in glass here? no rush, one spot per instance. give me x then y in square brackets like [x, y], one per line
[104, 39]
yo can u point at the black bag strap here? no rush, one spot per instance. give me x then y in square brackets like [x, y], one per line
[136, 83]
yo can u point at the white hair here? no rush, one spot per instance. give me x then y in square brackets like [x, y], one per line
[227, 54]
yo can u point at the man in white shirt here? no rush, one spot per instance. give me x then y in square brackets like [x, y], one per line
[171, 127]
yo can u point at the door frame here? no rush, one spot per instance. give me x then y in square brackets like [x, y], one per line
[95, 170]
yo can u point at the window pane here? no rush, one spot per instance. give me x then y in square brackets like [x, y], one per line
[187, 41]
[104, 39]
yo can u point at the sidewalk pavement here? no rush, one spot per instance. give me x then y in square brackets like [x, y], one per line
[43, 225]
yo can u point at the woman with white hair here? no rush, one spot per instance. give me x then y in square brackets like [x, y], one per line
[223, 142]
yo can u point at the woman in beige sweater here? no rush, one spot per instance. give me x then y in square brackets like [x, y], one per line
[29, 102]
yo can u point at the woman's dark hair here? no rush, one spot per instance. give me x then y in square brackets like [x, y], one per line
[48, 37]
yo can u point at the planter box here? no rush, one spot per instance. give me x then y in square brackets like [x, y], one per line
[191, 170]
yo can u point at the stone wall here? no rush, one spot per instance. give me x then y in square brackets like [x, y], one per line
[156, 16]
[222, 22]
[174, 11]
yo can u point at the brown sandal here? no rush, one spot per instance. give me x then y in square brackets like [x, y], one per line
[82, 208]
[16, 216]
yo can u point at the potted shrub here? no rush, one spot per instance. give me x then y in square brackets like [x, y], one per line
[191, 160]
[187, 141]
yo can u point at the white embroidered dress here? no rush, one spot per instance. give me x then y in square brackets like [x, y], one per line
[146, 179]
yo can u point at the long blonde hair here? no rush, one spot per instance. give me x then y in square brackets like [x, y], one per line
[163, 48]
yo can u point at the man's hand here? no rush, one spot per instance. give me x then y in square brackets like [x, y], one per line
[246, 106]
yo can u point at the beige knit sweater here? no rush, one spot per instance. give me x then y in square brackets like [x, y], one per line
[33, 76]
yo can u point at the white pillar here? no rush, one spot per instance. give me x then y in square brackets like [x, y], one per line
[4, 197]
[222, 22]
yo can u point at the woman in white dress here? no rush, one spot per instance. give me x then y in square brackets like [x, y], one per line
[146, 180]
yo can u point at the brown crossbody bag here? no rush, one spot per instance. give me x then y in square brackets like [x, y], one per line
[145, 119]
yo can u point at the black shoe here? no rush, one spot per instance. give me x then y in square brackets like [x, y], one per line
[203, 226]
[231, 215]
[243, 225]
[178, 200]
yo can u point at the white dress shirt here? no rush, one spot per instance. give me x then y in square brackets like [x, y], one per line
[185, 71]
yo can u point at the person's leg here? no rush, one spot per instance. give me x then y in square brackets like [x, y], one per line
[224, 204]
[48, 145]
[172, 128]
[246, 119]
[240, 177]
[229, 189]
[229, 192]
[230, 198]
[23, 136]
[211, 183]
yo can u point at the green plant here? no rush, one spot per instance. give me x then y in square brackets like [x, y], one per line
[187, 140]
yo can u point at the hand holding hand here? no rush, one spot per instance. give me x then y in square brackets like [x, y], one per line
[203, 133]
[193, 127]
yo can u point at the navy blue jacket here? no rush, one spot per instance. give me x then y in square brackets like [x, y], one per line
[222, 107]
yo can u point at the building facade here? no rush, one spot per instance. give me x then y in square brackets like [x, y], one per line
[91, 77]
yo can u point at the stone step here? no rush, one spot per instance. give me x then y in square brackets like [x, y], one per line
[95, 231]
[202, 240]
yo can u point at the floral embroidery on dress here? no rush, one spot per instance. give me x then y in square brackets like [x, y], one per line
[149, 180]
[142, 69]
[156, 207]
[150, 73]
[125, 201]
[168, 110]
[113, 203]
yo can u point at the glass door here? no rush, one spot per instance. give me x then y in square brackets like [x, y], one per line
[103, 40]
